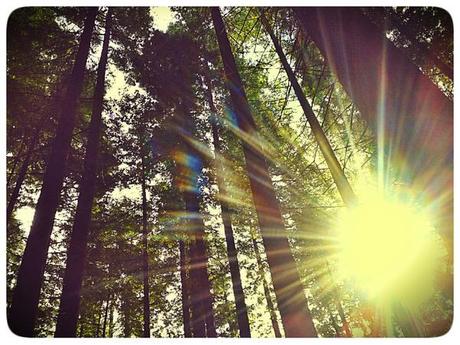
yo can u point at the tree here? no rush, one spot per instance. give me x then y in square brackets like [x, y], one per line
[24, 305]
[70, 298]
[288, 288]
[241, 309]
[334, 166]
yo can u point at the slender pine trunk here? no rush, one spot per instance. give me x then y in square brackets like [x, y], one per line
[16, 160]
[338, 175]
[145, 255]
[24, 307]
[185, 289]
[76, 253]
[106, 314]
[268, 298]
[111, 321]
[292, 302]
[240, 304]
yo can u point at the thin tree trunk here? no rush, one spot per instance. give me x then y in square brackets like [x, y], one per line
[145, 256]
[23, 170]
[185, 289]
[268, 298]
[20, 178]
[241, 309]
[99, 317]
[16, 160]
[111, 325]
[76, 254]
[292, 302]
[106, 313]
[23, 312]
[338, 175]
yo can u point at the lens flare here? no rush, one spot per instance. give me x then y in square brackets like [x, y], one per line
[386, 244]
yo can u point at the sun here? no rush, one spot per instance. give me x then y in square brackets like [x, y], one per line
[384, 243]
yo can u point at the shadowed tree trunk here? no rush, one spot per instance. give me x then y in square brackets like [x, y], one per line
[268, 298]
[24, 307]
[145, 256]
[16, 159]
[240, 304]
[76, 254]
[106, 313]
[190, 164]
[185, 289]
[332, 162]
[111, 323]
[290, 295]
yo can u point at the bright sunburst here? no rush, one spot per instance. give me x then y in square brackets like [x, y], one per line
[385, 243]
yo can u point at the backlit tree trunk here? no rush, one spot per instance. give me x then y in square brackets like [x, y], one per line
[240, 304]
[290, 295]
[332, 162]
[268, 298]
[70, 299]
[185, 289]
[23, 312]
[145, 255]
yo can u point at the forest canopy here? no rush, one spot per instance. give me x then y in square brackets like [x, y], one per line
[229, 172]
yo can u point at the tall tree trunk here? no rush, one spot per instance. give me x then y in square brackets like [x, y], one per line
[292, 302]
[185, 289]
[106, 313]
[338, 175]
[200, 288]
[268, 298]
[145, 255]
[240, 304]
[76, 254]
[111, 323]
[23, 312]
[189, 161]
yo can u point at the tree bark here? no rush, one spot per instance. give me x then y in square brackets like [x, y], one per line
[292, 302]
[240, 304]
[106, 313]
[23, 312]
[185, 289]
[145, 256]
[76, 254]
[336, 170]
[268, 298]
[189, 162]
